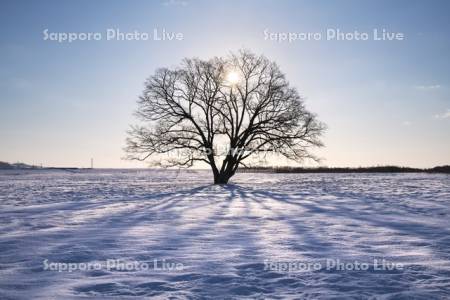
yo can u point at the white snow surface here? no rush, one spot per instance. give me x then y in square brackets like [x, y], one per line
[223, 235]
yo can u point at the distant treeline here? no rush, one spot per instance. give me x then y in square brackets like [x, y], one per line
[22, 166]
[378, 169]
[8, 166]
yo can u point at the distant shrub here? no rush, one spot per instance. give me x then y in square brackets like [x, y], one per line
[5, 165]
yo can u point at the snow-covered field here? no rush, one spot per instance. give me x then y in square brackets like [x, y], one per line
[263, 236]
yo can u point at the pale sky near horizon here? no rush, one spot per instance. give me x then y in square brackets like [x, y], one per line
[385, 102]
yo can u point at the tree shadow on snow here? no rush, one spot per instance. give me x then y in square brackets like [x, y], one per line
[222, 235]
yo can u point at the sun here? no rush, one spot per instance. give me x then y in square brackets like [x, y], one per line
[233, 77]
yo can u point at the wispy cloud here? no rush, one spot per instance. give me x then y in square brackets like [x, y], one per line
[406, 123]
[445, 115]
[175, 3]
[427, 87]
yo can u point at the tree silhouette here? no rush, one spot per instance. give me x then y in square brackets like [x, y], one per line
[221, 112]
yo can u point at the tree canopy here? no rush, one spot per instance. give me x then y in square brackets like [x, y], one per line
[221, 112]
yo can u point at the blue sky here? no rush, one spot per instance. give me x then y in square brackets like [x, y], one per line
[385, 102]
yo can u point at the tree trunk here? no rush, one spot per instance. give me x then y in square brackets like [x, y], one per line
[222, 177]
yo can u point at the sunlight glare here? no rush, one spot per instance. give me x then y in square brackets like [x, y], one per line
[233, 77]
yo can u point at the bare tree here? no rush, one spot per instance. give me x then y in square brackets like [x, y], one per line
[221, 112]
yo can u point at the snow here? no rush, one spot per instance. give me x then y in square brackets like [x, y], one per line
[223, 237]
